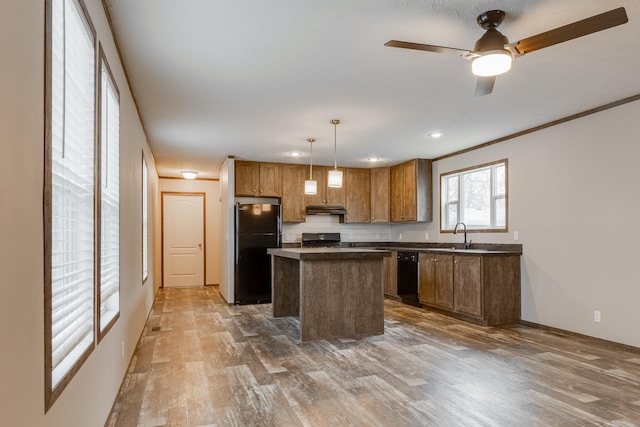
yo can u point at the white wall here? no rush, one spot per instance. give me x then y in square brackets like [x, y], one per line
[87, 400]
[574, 199]
[213, 210]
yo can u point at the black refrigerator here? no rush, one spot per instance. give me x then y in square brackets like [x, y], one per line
[258, 227]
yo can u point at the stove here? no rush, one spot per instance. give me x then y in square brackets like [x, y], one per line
[320, 240]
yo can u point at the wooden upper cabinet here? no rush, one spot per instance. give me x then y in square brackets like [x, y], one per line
[258, 179]
[293, 197]
[318, 174]
[247, 178]
[380, 194]
[326, 195]
[335, 196]
[357, 185]
[411, 191]
[270, 179]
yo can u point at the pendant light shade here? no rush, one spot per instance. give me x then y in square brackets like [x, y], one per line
[310, 185]
[334, 179]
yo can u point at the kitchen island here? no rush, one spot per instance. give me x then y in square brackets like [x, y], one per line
[336, 292]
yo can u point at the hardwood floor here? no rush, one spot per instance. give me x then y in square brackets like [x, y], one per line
[201, 362]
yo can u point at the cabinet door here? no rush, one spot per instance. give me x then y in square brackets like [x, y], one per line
[397, 193]
[358, 195]
[270, 180]
[391, 274]
[380, 194]
[247, 178]
[335, 196]
[468, 285]
[444, 289]
[319, 175]
[409, 199]
[293, 198]
[426, 278]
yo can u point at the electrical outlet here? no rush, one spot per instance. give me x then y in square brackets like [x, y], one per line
[596, 316]
[426, 236]
[378, 236]
[400, 236]
[515, 235]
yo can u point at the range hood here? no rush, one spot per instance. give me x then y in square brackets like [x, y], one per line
[325, 210]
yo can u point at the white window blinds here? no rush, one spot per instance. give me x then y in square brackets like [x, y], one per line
[110, 200]
[72, 188]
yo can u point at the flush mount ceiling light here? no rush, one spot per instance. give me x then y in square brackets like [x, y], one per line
[436, 135]
[295, 154]
[189, 174]
[310, 185]
[335, 176]
[373, 159]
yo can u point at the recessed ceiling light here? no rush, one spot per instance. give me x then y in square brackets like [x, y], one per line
[295, 154]
[436, 134]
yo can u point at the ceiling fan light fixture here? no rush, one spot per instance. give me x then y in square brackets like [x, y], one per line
[492, 63]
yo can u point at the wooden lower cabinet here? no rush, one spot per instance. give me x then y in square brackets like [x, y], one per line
[467, 285]
[435, 280]
[483, 289]
[391, 276]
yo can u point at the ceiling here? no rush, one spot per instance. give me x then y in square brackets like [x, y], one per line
[255, 79]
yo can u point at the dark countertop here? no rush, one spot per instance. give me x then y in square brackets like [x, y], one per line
[328, 253]
[456, 251]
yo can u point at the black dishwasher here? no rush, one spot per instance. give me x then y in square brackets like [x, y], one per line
[408, 277]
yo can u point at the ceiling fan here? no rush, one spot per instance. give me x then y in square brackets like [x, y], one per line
[493, 54]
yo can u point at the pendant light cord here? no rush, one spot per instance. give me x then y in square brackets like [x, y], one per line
[335, 123]
[311, 141]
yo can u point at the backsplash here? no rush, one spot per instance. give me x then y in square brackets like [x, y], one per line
[292, 232]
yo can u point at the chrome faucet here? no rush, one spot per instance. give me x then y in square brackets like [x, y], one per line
[455, 231]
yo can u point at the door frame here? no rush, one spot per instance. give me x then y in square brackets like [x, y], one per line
[204, 229]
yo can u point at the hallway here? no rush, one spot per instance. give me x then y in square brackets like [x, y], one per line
[201, 362]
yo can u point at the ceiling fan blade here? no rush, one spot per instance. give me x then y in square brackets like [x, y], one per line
[573, 31]
[484, 86]
[425, 47]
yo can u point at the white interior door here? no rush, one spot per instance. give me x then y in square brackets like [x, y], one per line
[183, 241]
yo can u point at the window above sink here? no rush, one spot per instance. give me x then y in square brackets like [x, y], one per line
[476, 196]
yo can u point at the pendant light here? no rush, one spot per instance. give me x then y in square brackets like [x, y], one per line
[335, 176]
[310, 185]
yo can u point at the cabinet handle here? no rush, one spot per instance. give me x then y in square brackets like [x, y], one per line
[254, 190]
[372, 218]
[261, 191]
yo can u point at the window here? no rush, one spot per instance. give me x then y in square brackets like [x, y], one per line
[82, 195]
[69, 194]
[109, 295]
[145, 204]
[476, 196]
